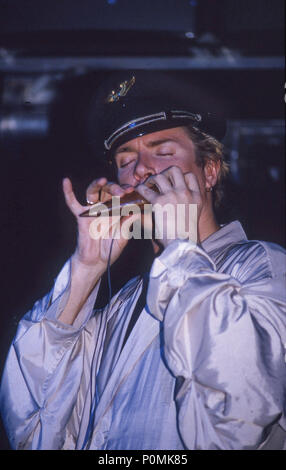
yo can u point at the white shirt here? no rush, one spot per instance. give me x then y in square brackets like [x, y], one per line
[203, 368]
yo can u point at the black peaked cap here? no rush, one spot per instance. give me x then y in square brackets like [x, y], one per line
[130, 104]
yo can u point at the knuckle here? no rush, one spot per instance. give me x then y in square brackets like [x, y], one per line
[175, 169]
[185, 193]
[160, 177]
[113, 189]
[141, 186]
[94, 183]
[111, 185]
[166, 171]
[190, 176]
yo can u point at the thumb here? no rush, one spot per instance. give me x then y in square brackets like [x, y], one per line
[71, 200]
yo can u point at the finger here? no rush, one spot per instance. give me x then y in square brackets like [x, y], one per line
[93, 190]
[127, 188]
[113, 189]
[101, 190]
[192, 182]
[147, 193]
[70, 198]
[160, 181]
[176, 176]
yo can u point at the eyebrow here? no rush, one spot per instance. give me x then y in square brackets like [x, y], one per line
[153, 143]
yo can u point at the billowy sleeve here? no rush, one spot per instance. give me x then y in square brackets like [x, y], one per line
[224, 339]
[44, 369]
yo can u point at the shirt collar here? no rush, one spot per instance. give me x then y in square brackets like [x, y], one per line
[228, 234]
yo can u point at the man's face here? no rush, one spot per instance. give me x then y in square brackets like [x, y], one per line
[150, 154]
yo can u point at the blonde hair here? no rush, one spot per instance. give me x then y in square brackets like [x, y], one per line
[208, 148]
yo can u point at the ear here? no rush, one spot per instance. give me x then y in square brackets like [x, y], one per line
[211, 172]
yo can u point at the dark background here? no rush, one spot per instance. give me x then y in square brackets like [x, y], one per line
[53, 55]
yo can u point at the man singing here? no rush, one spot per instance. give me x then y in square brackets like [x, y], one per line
[191, 356]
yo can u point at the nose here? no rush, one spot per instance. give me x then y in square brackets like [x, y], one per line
[143, 168]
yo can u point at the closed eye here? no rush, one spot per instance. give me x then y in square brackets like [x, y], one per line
[165, 154]
[123, 165]
[165, 150]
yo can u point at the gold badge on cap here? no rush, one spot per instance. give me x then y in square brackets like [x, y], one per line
[124, 87]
